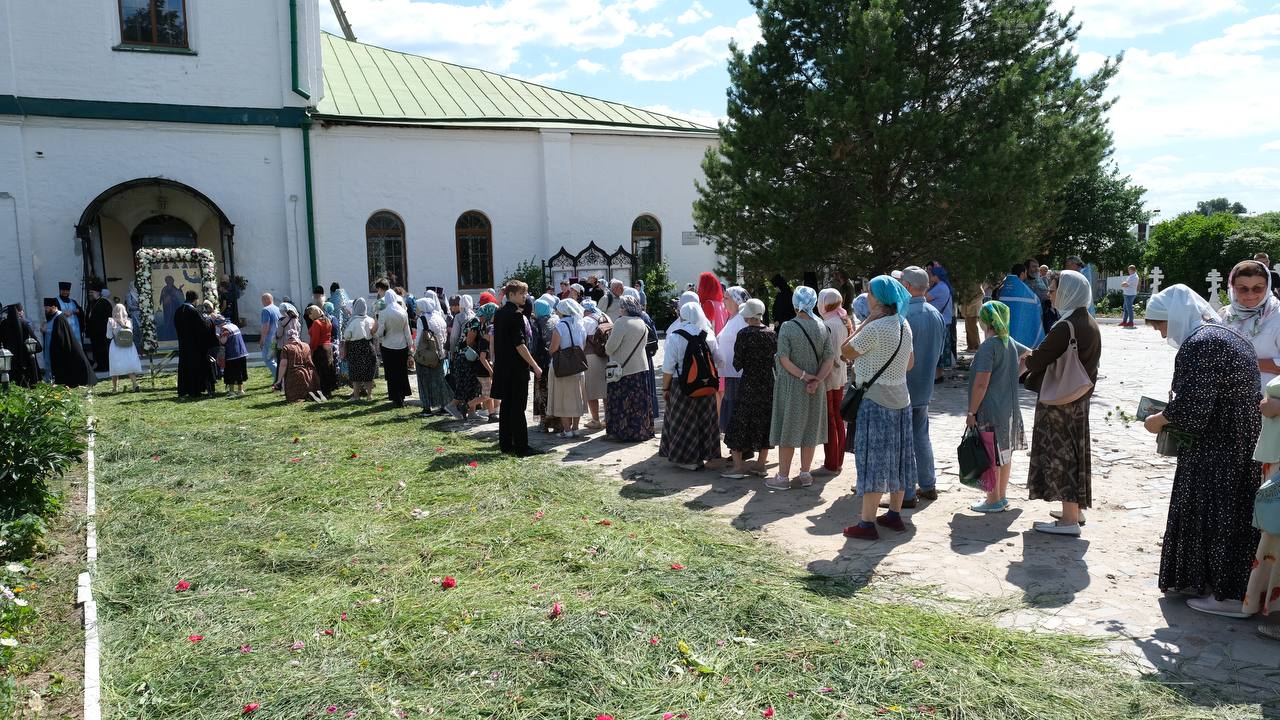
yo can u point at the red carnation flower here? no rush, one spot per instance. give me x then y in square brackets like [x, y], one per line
[473, 464]
[768, 712]
[250, 709]
[556, 611]
[448, 583]
[195, 638]
[606, 522]
[677, 566]
[182, 586]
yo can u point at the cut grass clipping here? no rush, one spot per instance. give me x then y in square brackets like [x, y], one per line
[291, 561]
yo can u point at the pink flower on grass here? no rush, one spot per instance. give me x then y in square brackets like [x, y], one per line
[155, 458]
[297, 646]
[328, 631]
[195, 638]
[677, 566]
[473, 464]
[182, 586]
[556, 611]
[439, 450]
[331, 709]
[246, 649]
[604, 717]
[655, 640]
[295, 459]
[917, 664]
[768, 712]
[343, 616]
[448, 583]
[250, 709]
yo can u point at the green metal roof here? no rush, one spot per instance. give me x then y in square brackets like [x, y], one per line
[365, 83]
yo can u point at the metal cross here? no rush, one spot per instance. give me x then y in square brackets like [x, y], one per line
[1215, 282]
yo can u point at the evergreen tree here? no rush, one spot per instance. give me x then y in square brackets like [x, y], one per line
[873, 133]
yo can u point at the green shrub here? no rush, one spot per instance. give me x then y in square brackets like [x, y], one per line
[20, 537]
[41, 436]
[659, 290]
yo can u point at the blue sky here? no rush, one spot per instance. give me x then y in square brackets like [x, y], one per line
[1199, 89]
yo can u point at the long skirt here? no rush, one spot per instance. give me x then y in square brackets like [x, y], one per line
[237, 371]
[1263, 594]
[627, 409]
[652, 382]
[728, 401]
[692, 430]
[833, 449]
[884, 449]
[1061, 463]
[540, 393]
[432, 389]
[395, 365]
[594, 377]
[326, 370]
[362, 364]
[565, 398]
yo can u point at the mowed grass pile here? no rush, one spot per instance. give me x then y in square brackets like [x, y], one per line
[316, 537]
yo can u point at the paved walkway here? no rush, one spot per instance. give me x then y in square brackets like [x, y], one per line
[1103, 583]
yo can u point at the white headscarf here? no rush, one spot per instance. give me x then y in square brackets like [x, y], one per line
[1073, 293]
[693, 320]
[571, 315]
[689, 296]
[1183, 309]
[1237, 315]
[569, 308]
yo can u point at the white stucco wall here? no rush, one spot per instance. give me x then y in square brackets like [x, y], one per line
[540, 190]
[248, 172]
[63, 49]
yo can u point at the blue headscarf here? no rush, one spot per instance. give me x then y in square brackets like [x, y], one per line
[890, 292]
[943, 275]
[487, 310]
[541, 308]
[804, 299]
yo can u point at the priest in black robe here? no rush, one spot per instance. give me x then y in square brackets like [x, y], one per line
[67, 360]
[99, 313]
[15, 330]
[195, 337]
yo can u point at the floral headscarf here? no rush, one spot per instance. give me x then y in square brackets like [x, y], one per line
[804, 299]
[996, 315]
[487, 311]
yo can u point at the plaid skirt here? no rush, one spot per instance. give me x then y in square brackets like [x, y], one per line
[691, 431]
[884, 451]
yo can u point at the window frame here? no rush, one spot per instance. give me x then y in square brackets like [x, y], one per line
[403, 270]
[459, 233]
[126, 44]
[636, 235]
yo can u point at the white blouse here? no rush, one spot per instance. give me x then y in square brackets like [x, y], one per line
[839, 370]
[726, 340]
[1265, 337]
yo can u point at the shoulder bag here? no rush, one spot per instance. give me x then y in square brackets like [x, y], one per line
[613, 371]
[570, 359]
[853, 394]
[1065, 381]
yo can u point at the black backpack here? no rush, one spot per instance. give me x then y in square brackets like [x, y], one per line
[698, 376]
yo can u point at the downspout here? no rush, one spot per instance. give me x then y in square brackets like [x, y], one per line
[311, 217]
[305, 125]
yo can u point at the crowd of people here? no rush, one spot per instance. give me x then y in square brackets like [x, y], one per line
[816, 367]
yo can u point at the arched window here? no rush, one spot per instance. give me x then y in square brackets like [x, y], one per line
[384, 241]
[163, 231]
[646, 242]
[475, 251]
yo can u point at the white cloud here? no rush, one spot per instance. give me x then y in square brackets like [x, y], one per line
[653, 30]
[695, 13]
[702, 117]
[547, 78]
[1269, 146]
[1175, 191]
[688, 55]
[491, 35]
[1216, 90]
[588, 67]
[1131, 18]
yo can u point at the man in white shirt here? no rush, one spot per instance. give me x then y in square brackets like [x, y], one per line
[1130, 288]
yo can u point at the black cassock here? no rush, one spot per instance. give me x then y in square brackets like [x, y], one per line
[13, 335]
[195, 337]
[66, 357]
[99, 313]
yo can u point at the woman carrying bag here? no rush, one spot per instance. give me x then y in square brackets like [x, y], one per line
[993, 403]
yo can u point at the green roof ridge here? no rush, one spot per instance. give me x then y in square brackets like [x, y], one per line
[377, 88]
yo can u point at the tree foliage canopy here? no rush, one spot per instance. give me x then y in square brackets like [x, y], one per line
[873, 133]
[1220, 205]
[1098, 210]
[1187, 247]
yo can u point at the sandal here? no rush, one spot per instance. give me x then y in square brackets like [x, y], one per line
[777, 482]
[732, 475]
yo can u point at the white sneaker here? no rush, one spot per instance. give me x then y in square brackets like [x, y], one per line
[1221, 608]
[1053, 528]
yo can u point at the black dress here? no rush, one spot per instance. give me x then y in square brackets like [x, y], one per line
[67, 360]
[195, 337]
[752, 354]
[1209, 541]
[14, 332]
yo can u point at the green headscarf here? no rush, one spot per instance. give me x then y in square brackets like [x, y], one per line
[487, 310]
[996, 314]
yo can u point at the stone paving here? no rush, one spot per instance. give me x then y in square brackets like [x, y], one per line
[1101, 584]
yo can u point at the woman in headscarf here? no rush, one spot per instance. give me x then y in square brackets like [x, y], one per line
[628, 410]
[1209, 543]
[122, 359]
[483, 365]
[942, 297]
[133, 305]
[993, 402]
[566, 398]
[357, 350]
[839, 328]
[543, 307]
[734, 298]
[638, 286]
[433, 393]
[464, 362]
[1061, 468]
[711, 298]
[320, 339]
[235, 356]
[883, 443]
[394, 340]
[1254, 312]
[297, 371]
[691, 431]
[15, 330]
[650, 350]
[753, 357]
[799, 419]
[466, 313]
[596, 326]
[289, 323]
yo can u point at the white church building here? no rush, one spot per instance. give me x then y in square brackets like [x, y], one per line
[302, 158]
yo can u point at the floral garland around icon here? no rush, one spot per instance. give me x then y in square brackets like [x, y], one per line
[149, 257]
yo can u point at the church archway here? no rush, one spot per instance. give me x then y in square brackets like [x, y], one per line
[150, 212]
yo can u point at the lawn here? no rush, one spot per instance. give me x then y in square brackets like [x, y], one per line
[318, 541]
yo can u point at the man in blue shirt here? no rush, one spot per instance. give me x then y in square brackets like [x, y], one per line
[270, 321]
[929, 342]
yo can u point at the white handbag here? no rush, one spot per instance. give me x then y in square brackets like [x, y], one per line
[1065, 381]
